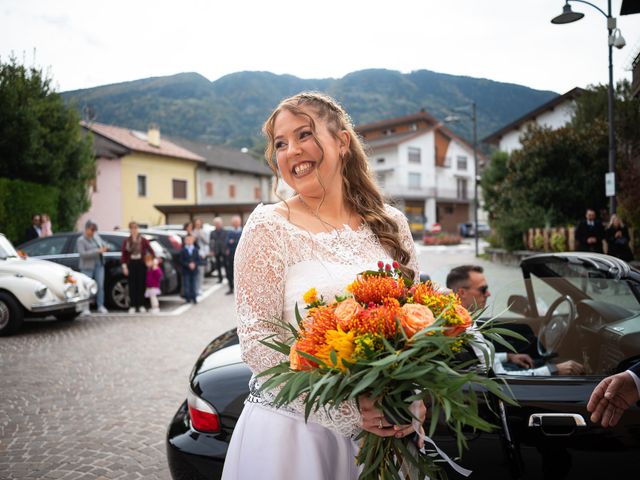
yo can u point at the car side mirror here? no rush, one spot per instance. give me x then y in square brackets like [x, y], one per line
[518, 304]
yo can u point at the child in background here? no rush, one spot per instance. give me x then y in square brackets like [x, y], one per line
[189, 259]
[154, 276]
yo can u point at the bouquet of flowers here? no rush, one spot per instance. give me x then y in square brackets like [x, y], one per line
[399, 343]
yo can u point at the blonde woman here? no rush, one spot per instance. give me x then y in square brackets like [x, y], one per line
[618, 240]
[335, 226]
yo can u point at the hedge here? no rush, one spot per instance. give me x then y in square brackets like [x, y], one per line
[19, 200]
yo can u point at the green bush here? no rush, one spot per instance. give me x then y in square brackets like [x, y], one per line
[538, 242]
[19, 200]
[558, 242]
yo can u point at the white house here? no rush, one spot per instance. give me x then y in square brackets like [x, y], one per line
[554, 114]
[423, 168]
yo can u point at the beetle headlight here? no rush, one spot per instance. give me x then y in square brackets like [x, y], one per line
[70, 290]
[92, 287]
[40, 290]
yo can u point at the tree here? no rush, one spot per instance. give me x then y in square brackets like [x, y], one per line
[557, 174]
[41, 141]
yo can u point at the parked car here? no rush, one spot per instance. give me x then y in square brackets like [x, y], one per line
[171, 237]
[578, 306]
[61, 248]
[37, 288]
[468, 230]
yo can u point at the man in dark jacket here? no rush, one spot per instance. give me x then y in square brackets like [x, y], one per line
[34, 230]
[589, 233]
[189, 261]
[233, 237]
[218, 245]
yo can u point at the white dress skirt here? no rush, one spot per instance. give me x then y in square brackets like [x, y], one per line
[270, 445]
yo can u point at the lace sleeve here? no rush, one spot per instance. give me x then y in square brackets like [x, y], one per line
[260, 272]
[406, 239]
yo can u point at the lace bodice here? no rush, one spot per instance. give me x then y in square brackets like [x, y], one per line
[276, 263]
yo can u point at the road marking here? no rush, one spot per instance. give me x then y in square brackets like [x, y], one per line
[172, 313]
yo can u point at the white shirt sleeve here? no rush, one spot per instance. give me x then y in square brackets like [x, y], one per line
[635, 379]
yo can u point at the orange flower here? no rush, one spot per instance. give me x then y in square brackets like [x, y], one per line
[415, 317]
[374, 289]
[379, 319]
[346, 312]
[294, 357]
[300, 362]
[460, 324]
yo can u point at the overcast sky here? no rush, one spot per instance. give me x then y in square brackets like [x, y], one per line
[89, 43]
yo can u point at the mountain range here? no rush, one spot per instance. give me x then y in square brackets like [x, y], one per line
[230, 110]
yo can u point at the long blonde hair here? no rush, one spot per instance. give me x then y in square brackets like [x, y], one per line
[359, 189]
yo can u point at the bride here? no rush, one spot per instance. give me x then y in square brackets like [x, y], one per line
[333, 228]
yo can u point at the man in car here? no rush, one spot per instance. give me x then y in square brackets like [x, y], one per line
[469, 282]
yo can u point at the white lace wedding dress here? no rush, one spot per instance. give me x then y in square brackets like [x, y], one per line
[276, 263]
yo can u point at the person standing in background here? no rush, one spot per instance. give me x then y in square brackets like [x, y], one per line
[189, 259]
[154, 277]
[233, 237]
[202, 241]
[217, 243]
[34, 230]
[45, 226]
[134, 248]
[589, 233]
[91, 249]
[618, 240]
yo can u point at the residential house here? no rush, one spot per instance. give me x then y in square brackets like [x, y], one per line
[556, 113]
[229, 182]
[135, 171]
[423, 168]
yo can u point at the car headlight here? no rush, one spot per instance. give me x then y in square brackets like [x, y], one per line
[40, 290]
[92, 287]
[70, 290]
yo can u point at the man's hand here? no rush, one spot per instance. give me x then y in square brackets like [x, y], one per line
[521, 359]
[125, 269]
[570, 368]
[611, 398]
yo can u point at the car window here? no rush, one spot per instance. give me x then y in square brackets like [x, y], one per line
[580, 315]
[114, 243]
[46, 246]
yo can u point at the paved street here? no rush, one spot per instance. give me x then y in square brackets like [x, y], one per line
[91, 399]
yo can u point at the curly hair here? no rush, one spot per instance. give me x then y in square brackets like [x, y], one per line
[359, 188]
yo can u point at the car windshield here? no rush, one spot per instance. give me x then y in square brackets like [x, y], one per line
[597, 285]
[6, 249]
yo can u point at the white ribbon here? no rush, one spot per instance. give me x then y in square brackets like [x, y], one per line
[414, 408]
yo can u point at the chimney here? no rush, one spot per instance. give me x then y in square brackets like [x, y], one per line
[153, 136]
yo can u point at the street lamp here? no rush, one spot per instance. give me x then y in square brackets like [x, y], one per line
[615, 39]
[472, 116]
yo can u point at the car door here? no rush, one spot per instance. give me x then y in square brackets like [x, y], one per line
[587, 315]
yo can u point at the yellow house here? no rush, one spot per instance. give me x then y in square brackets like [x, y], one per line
[135, 171]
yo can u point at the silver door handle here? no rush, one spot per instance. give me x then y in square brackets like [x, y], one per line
[557, 424]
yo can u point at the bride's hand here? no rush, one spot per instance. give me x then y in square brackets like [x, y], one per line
[373, 420]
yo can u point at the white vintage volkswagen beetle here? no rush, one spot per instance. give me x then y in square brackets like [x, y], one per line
[37, 288]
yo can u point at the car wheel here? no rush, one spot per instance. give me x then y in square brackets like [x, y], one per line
[11, 314]
[117, 294]
[67, 316]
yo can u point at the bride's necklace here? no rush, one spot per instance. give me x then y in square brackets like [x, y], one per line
[324, 223]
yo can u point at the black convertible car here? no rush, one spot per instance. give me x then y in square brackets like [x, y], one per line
[61, 248]
[572, 306]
